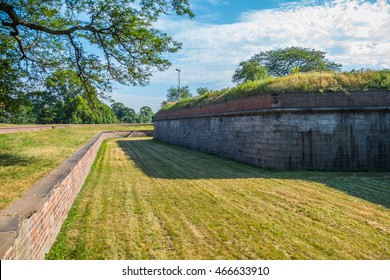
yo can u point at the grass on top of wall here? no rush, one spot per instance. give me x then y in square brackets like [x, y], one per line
[27, 157]
[311, 82]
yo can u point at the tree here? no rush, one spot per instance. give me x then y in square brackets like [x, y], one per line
[174, 94]
[123, 113]
[45, 107]
[77, 101]
[11, 95]
[282, 62]
[12, 82]
[145, 115]
[202, 90]
[249, 70]
[102, 41]
[64, 100]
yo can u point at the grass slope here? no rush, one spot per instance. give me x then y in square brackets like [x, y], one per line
[27, 157]
[312, 82]
[148, 200]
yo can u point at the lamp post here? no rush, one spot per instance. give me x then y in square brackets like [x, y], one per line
[178, 73]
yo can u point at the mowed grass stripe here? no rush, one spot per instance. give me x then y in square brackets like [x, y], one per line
[150, 200]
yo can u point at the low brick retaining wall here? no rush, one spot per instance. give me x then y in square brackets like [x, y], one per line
[29, 226]
[32, 128]
[335, 131]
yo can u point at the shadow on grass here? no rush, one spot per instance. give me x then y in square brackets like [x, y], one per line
[13, 160]
[161, 160]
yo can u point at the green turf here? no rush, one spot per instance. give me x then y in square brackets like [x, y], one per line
[27, 157]
[148, 200]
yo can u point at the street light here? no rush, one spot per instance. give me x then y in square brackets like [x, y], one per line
[178, 73]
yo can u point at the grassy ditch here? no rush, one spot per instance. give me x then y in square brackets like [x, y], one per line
[149, 200]
[27, 157]
[321, 82]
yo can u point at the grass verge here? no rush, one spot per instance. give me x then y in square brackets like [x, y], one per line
[27, 157]
[148, 200]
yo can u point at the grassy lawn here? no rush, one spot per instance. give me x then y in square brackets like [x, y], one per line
[27, 157]
[149, 200]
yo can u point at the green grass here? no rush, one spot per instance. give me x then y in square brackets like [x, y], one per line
[27, 157]
[311, 82]
[149, 200]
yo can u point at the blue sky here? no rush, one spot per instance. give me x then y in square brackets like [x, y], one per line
[355, 33]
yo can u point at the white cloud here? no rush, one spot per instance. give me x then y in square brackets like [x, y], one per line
[354, 33]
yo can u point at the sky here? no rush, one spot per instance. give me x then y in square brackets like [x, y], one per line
[355, 33]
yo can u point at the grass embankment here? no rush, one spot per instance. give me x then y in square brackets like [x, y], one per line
[321, 82]
[148, 200]
[27, 157]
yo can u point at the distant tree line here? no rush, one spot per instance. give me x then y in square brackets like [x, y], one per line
[64, 99]
[128, 115]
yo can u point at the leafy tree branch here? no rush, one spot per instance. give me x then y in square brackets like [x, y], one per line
[102, 40]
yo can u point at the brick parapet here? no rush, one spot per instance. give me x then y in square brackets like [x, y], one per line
[283, 100]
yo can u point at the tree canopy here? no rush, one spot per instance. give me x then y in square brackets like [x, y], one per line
[123, 113]
[63, 100]
[202, 90]
[282, 62]
[101, 40]
[174, 94]
[249, 70]
[145, 115]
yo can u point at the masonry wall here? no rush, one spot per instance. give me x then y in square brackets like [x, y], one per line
[32, 128]
[325, 138]
[29, 227]
[284, 100]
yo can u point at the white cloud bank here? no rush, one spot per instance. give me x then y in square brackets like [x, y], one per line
[354, 33]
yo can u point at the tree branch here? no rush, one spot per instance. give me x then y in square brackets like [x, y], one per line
[16, 20]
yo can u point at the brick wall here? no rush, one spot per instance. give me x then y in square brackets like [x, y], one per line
[29, 226]
[284, 100]
[322, 135]
[31, 128]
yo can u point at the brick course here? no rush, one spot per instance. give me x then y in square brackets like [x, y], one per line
[284, 100]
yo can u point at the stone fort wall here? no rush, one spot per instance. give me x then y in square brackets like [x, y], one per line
[335, 131]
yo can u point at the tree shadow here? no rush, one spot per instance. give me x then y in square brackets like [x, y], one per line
[165, 161]
[7, 159]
